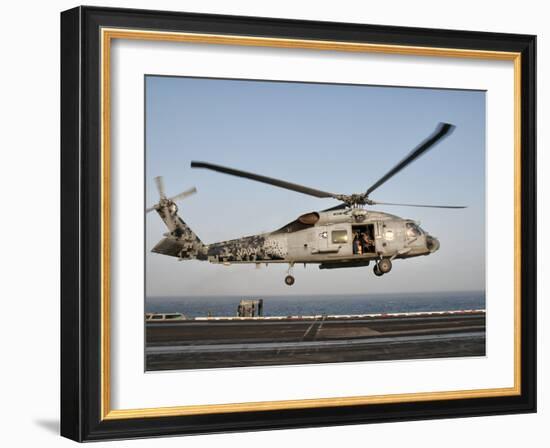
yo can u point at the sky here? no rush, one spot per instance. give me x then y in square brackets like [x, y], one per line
[333, 137]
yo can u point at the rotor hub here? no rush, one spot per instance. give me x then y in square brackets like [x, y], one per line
[354, 200]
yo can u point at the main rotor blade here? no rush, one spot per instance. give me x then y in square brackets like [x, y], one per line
[418, 205]
[441, 131]
[265, 180]
[150, 209]
[183, 194]
[160, 186]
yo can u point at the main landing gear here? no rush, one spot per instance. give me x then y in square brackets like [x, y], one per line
[382, 267]
[289, 279]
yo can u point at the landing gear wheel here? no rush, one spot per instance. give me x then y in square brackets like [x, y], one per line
[289, 280]
[377, 271]
[384, 265]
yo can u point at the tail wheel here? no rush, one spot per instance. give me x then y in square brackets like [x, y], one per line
[377, 271]
[289, 280]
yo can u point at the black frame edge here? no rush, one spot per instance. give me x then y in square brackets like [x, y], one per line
[529, 223]
[71, 384]
[80, 216]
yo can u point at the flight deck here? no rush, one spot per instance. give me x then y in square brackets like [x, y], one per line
[216, 342]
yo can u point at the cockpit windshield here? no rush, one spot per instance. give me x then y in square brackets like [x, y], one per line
[413, 230]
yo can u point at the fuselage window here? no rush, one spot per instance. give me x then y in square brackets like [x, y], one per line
[339, 236]
[413, 230]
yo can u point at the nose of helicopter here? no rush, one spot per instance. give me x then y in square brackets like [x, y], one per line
[432, 243]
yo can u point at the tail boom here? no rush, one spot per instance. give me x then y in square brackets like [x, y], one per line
[180, 241]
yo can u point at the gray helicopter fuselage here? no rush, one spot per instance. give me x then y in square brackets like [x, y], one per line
[327, 238]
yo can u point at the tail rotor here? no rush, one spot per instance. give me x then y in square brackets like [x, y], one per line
[159, 181]
[183, 195]
[165, 201]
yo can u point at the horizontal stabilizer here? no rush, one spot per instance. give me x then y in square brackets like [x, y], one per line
[168, 246]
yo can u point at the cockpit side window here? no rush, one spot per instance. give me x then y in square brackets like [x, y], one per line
[413, 230]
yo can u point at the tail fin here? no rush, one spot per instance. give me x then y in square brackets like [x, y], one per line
[180, 241]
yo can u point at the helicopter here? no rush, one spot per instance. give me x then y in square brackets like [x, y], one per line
[346, 235]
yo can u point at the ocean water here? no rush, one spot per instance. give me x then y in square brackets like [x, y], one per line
[304, 305]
